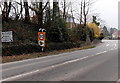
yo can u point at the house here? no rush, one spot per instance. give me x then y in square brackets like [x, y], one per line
[116, 35]
[70, 21]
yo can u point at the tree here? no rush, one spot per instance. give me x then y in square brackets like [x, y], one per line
[27, 16]
[38, 8]
[17, 11]
[55, 9]
[64, 10]
[81, 12]
[73, 15]
[58, 32]
[48, 17]
[6, 10]
[112, 30]
[105, 31]
[95, 21]
[86, 9]
[101, 36]
[96, 29]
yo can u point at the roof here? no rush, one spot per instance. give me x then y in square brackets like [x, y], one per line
[117, 32]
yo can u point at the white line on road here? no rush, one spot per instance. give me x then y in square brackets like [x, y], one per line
[107, 45]
[113, 49]
[48, 68]
[101, 53]
[118, 81]
[21, 75]
[115, 45]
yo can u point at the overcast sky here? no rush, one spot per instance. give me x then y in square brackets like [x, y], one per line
[108, 10]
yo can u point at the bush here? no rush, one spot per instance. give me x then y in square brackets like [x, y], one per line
[58, 32]
[79, 34]
[30, 48]
[20, 49]
[101, 36]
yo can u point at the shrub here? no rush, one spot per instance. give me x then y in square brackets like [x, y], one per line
[58, 31]
[30, 48]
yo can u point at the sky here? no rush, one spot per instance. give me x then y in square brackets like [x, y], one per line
[108, 10]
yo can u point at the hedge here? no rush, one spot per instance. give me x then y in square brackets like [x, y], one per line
[30, 48]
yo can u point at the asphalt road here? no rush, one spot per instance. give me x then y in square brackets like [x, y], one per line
[95, 64]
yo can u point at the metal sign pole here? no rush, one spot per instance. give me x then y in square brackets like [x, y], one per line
[42, 49]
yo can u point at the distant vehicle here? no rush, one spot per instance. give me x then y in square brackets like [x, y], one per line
[116, 35]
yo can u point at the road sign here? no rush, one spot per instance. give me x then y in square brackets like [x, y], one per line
[7, 36]
[41, 35]
[41, 38]
[41, 43]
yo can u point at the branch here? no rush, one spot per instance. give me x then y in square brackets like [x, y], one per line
[14, 9]
[33, 9]
[45, 6]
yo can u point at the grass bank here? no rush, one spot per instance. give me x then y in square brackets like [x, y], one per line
[6, 59]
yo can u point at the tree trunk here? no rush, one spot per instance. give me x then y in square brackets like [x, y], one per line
[6, 11]
[85, 24]
[64, 10]
[55, 10]
[81, 13]
[40, 16]
[27, 17]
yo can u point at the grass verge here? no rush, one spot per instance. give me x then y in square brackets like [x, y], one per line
[6, 59]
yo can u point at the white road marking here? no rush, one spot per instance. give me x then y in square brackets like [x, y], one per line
[101, 52]
[111, 49]
[21, 75]
[50, 67]
[107, 45]
[118, 81]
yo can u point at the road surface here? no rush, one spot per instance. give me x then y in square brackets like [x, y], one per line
[95, 64]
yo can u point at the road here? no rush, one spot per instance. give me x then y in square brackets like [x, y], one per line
[95, 64]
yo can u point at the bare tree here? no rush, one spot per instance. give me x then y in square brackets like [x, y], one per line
[38, 8]
[6, 10]
[81, 12]
[73, 16]
[55, 9]
[86, 10]
[65, 7]
[39, 11]
[17, 11]
[27, 16]
[64, 10]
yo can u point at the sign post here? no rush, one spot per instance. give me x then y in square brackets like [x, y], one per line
[42, 38]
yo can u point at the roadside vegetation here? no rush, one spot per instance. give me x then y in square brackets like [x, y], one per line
[60, 36]
[6, 59]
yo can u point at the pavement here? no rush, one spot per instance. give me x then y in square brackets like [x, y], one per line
[95, 64]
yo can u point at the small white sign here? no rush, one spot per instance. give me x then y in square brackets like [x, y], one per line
[41, 43]
[7, 36]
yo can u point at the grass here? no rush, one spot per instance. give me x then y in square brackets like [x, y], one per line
[35, 55]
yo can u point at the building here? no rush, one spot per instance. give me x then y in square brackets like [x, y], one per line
[116, 35]
[70, 21]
